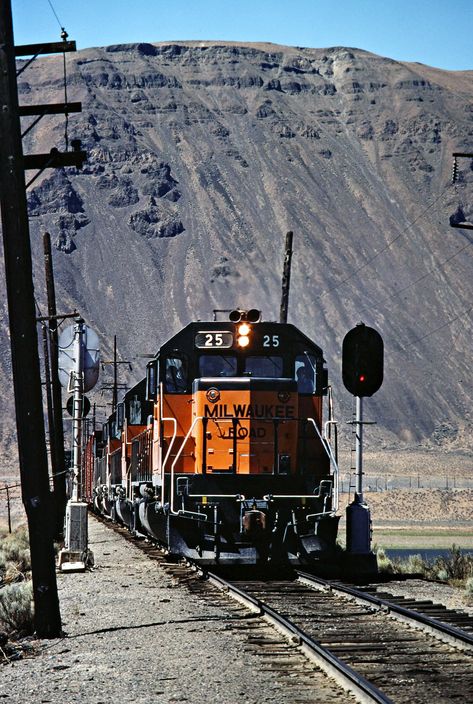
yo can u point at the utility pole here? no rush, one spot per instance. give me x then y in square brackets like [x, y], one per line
[115, 375]
[286, 279]
[49, 398]
[24, 343]
[58, 462]
[115, 386]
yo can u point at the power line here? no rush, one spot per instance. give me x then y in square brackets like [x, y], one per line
[420, 278]
[387, 246]
[55, 14]
[440, 327]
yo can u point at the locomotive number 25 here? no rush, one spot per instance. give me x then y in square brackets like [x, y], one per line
[271, 341]
[214, 339]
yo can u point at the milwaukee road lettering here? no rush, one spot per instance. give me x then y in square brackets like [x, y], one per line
[252, 410]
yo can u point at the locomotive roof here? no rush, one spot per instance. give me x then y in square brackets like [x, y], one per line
[290, 336]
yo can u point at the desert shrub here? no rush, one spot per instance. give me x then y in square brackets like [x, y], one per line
[413, 564]
[456, 565]
[16, 608]
[384, 563]
[15, 560]
[469, 588]
[442, 575]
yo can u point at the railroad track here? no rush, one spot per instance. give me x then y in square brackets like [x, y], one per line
[378, 647]
[379, 650]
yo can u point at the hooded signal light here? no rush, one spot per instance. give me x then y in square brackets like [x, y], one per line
[235, 316]
[253, 315]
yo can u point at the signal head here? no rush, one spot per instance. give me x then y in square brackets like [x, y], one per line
[362, 361]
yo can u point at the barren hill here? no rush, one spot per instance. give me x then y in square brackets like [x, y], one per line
[203, 154]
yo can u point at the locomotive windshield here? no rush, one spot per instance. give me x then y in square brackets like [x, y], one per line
[218, 365]
[267, 366]
[176, 375]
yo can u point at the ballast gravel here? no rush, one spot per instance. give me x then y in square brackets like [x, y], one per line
[133, 633]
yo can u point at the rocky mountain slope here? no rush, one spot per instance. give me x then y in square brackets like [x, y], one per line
[203, 154]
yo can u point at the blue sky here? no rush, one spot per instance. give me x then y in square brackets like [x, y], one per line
[434, 32]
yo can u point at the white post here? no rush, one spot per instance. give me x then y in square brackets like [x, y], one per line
[359, 448]
[358, 513]
[75, 555]
[78, 401]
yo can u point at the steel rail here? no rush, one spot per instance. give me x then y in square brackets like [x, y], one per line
[442, 631]
[350, 680]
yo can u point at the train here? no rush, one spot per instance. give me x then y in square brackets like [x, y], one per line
[226, 452]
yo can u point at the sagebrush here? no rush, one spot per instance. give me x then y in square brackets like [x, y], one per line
[16, 608]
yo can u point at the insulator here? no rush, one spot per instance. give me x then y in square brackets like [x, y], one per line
[454, 170]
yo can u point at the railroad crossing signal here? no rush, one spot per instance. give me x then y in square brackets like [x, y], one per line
[362, 361]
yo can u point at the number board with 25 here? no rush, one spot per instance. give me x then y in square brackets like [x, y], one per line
[214, 339]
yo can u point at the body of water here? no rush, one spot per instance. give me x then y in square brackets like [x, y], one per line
[427, 554]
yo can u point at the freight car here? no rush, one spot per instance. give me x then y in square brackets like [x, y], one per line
[221, 453]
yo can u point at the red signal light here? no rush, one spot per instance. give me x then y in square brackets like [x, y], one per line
[362, 361]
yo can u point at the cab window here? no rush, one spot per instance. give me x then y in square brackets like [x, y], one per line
[217, 365]
[134, 410]
[305, 373]
[175, 380]
[267, 366]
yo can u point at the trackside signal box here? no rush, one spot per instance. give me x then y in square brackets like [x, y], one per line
[362, 361]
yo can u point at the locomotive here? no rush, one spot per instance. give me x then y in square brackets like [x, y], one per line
[221, 453]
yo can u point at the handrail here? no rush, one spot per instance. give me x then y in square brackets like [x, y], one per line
[325, 444]
[176, 458]
[166, 457]
[332, 459]
[237, 497]
[327, 435]
[161, 419]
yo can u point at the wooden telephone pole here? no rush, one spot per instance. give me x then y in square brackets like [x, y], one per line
[58, 461]
[23, 334]
[286, 279]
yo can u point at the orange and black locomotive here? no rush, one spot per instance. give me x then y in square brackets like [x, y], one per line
[222, 452]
